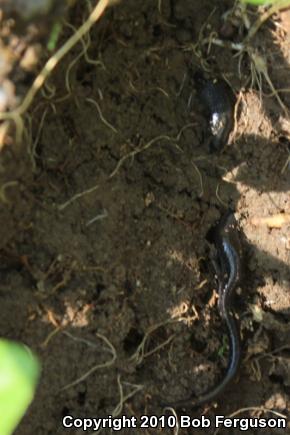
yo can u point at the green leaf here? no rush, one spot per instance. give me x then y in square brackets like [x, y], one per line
[54, 35]
[258, 2]
[19, 372]
[282, 3]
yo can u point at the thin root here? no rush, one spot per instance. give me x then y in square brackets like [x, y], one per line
[16, 114]
[140, 149]
[85, 43]
[276, 7]
[61, 207]
[140, 354]
[3, 189]
[260, 67]
[218, 195]
[103, 119]
[176, 429]
[200, 179]
[106, 364]
[32, 148]
[123, 398]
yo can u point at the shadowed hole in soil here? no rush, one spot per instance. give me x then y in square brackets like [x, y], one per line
[82, 397]
[100, 287]
[128, 287]
[197, 345]
[132, 340]
[65, 411]
[276, 379]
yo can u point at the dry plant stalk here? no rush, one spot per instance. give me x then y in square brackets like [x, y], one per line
[16, 114]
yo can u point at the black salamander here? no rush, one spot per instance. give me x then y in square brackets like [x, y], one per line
[228, 270]
[219, 102]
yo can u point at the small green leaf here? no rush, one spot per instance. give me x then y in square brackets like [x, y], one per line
[54, 35]
[223, 347]
[258, 2]
[282, 3]
[19, 372]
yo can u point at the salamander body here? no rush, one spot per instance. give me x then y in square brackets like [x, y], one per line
[228, 270]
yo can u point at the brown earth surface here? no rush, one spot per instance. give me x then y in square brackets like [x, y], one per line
[105, 269]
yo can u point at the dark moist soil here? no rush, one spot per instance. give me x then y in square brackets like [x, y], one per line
[105, 266]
